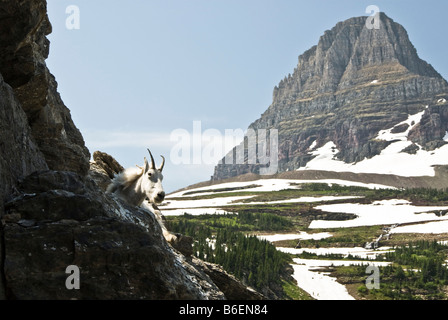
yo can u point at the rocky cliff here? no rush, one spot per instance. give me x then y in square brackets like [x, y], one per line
[354, 83]
[24, 48]
[53, 209]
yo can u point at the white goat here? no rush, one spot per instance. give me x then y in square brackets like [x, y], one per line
[134, 185]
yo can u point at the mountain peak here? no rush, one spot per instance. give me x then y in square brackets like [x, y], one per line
[354, 83]
[349, 54]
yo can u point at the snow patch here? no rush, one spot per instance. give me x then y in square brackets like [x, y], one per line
[305, 199]
[445, 138]
[435, 227]
[259, 185]
[295, 236]
[214, 202]
[313, 145]
[411, 121]
[319, 284]
[385, 212]
[203, 206]
[390, 161]
[268, 185]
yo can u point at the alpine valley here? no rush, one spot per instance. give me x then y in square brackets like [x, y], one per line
[357, 208]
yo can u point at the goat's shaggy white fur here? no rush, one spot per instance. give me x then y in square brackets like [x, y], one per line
[133, 185]
[125, 179]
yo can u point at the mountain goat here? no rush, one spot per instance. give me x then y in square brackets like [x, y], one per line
[134, 185]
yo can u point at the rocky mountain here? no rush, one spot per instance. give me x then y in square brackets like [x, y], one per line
[356, 83]
[53, 209]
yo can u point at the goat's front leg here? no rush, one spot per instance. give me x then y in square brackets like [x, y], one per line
[169, 236]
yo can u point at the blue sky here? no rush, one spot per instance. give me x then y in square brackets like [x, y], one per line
[135, 71]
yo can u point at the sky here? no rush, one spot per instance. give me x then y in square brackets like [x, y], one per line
[176, 76]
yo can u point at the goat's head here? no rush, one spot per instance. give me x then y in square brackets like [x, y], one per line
[152, 180]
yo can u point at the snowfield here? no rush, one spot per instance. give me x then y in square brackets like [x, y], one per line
[215, 202]
[258, 186]
[385, 212]
[211, 206]
[319, 284]
[435, 227]
[308, 199]
[295, 236]
[391, 160]
[180, 206]
[232, 201]
[270, 185]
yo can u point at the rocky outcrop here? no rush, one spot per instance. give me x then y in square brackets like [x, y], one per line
[24, 48]
[59, 220]
[36, 131]
[433, 126]
[355, 82]
[232, 287]
[107, 163]
[19, 153]
[103, 168]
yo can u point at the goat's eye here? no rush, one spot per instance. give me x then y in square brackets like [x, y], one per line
[149, 174]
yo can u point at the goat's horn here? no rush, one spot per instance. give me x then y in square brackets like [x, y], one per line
[163, 163]
[153, 165]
